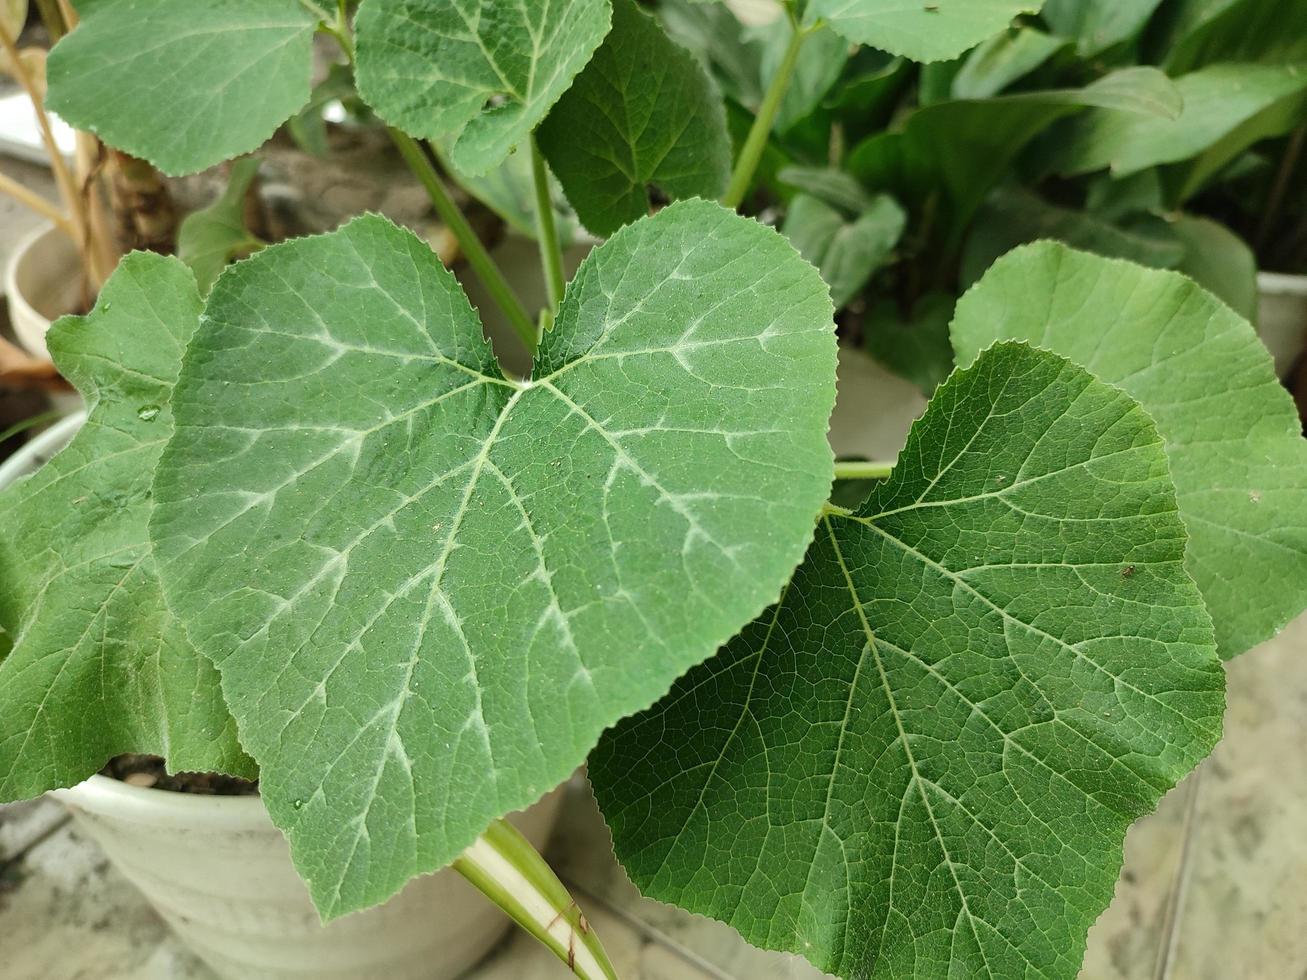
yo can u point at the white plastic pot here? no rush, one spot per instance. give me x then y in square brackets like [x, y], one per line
[43, 282]
[220, 873]
[1282, 317]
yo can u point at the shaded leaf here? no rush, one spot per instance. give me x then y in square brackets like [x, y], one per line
[1099, 24]
[923, 760]
[481, 74]
[210, 238]
[846, 251]
[1219, 261]
[1234, 440]
[1004, 59]
[643, 113]
[915, 347]
[428, 588]
[215, 80]
[94, 665]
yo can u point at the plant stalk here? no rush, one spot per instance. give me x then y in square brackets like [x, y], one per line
[504, 866]
[31, 199]
[756, 142]
[858, 470]
[476, 253]
[551, 253]
[1288, 164]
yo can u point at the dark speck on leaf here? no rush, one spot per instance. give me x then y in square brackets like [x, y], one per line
[1128, 571]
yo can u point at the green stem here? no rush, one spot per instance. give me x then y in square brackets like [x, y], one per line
[29, 423]
[504, 866]
[475, 252]
[858, 470]
[756, 141]
[551, 253]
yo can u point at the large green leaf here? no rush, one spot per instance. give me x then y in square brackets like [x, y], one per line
[1099, 24]
[921, 31]
[847, 251]
[1232, 435]
[923, 760]
[1226, 108]
[481, 73]
[643, 114]
[95, 664]
[184, 84]
[428, 588]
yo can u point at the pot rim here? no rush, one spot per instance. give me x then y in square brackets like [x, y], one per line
[51, 441]
[16, 257]
[1282, 283]
[109, 797]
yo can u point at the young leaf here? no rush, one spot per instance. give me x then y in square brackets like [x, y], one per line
[184, 84]
[429, 589]
[923, 760]
[643, 113]
[1232, 435]
[210, 238]
[482, 73]
[921, 31]
[846, 251]
[95, 665]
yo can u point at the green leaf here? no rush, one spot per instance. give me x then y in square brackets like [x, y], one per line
[480, 73]
[835, 187]
[915, 347]
[820, 63]
[846, 251]
[1219, 261]
[210, 238]
[429, 589]
[95, 665]
[1099, 24]
[920, 31]
[1205, 32]
[715, 34]
[1004, 59]
[184, 84]
[643, 113]
[923, 760]
[1232, 434]
[1219, 102]
[1015, 216]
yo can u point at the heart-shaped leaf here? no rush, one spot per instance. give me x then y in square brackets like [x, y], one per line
[923, 760]
[429, 588]
[643, 113]
[184, 84]
[95, 665]
[481, 72]
[922, 31]
[1232, 434]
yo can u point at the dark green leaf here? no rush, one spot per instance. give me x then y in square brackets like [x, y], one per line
[846, 251]
[915, 347]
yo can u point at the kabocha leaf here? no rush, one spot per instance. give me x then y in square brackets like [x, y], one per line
[479, 73]
[921, 31]
[96, 665]
[210, 238]
[184, 84]
[846, 251]
[1232, 435]
[643, 113]
[429, 589]
[923, 760]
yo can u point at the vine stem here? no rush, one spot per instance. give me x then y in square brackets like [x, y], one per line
[859, 470]
[551, 253]
[475, 252]
[504, 866]
[754, 144]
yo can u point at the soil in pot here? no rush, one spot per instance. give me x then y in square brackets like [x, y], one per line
[149, 772]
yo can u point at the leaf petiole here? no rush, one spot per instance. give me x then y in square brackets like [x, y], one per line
[855, 469]
[505, 868]
[551, 253]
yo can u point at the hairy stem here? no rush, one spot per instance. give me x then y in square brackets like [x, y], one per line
[756, 141]
[859, 470]
[504, 866]
[477, 256]
[551, 253]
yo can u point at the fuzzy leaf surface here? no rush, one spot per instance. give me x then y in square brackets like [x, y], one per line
[429, 589]
[644, 113]
[479, 73]
[1232, 434]
[93, 663]
[184, 84]
[923, 760]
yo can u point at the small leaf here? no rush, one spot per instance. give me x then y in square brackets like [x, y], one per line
[1213, 31]
[1232, 434]
[921, 31]
[1099, 24]
[428, 588]
[643, 113]
[216, 78]
[923, 760]
[96, 666]
[211, 237]
[1004, 59]
[481, 74]
[846, 251]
